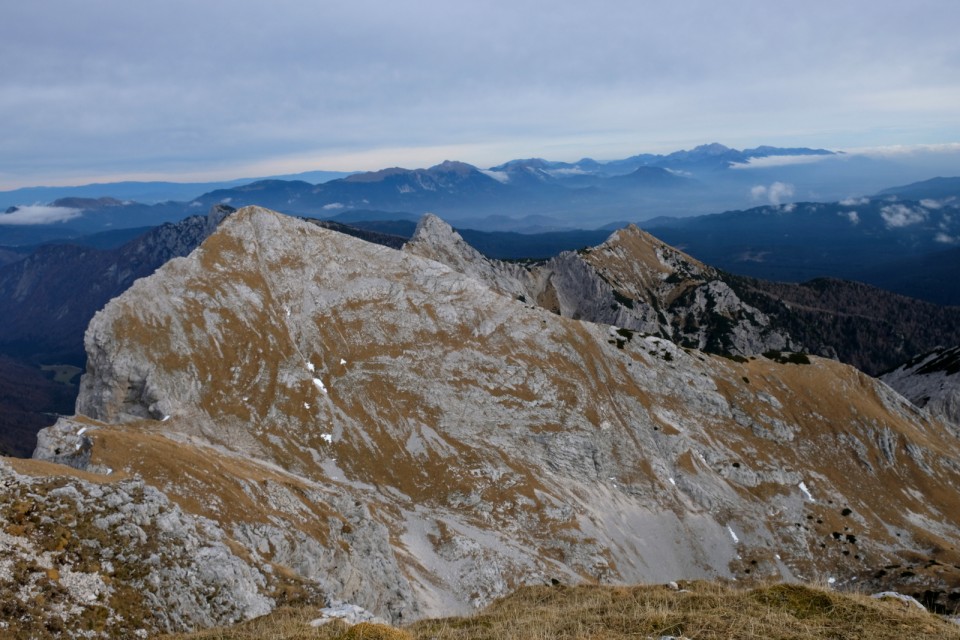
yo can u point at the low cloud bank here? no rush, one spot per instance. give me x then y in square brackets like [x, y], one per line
[39, 214]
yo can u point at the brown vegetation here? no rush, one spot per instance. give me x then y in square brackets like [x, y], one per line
[706, 611]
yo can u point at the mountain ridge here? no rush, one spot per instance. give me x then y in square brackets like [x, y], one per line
[473, 442]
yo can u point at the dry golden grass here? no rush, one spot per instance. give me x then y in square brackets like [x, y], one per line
[707, 611]
[370, 631]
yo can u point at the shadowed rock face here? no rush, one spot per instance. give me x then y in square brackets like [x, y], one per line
[931, 381]
[49, 297]
[404, 437]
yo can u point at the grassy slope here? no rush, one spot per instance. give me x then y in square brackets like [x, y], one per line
[707, 611]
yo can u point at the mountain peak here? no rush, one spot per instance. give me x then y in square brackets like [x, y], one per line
[435, 239]
[713, 148]
[453, 166]
[431, 227]
[376, 176]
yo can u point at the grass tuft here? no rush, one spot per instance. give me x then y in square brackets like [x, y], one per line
[371, 631]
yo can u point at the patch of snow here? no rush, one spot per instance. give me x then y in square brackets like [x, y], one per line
[831, 581]
[310, 367]
[318, 383]
[351, 614]
[733, 535]
[164, 418]
[672, 481]
[82, 431]
[327, 437]
[306, 405]
[342, 361]
[806, 492]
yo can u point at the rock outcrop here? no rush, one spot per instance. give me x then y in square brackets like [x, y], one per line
[931, 381]
[87, 558]
[387, 431]
[632, 281]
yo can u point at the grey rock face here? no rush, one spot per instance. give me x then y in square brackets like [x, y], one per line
[931, 381]
[436, 240]
[632, 281]
[73, 547]
[65, 443]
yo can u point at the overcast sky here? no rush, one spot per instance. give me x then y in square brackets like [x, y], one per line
[189, 90]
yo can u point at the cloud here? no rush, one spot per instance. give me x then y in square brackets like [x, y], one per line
[332, 206]
[39, 214]
[899, 215]
[852, 216]
[499, 176]
[931, 204]
[775, 193]
[944, 238]
[854, 202]
[900, 150]
[778, 161]
[379, 80]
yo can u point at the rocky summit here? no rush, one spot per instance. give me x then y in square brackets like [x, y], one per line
[292, 414]
[632, 281]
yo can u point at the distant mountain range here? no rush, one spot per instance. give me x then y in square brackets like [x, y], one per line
[906, 238]
[526, 195]
[145, 192]
[911, 246]
[561, 195]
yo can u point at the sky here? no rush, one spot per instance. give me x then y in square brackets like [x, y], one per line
[195, 90]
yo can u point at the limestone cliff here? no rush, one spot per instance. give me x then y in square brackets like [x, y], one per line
[632, 281]
[931, 381]
[389, 431]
